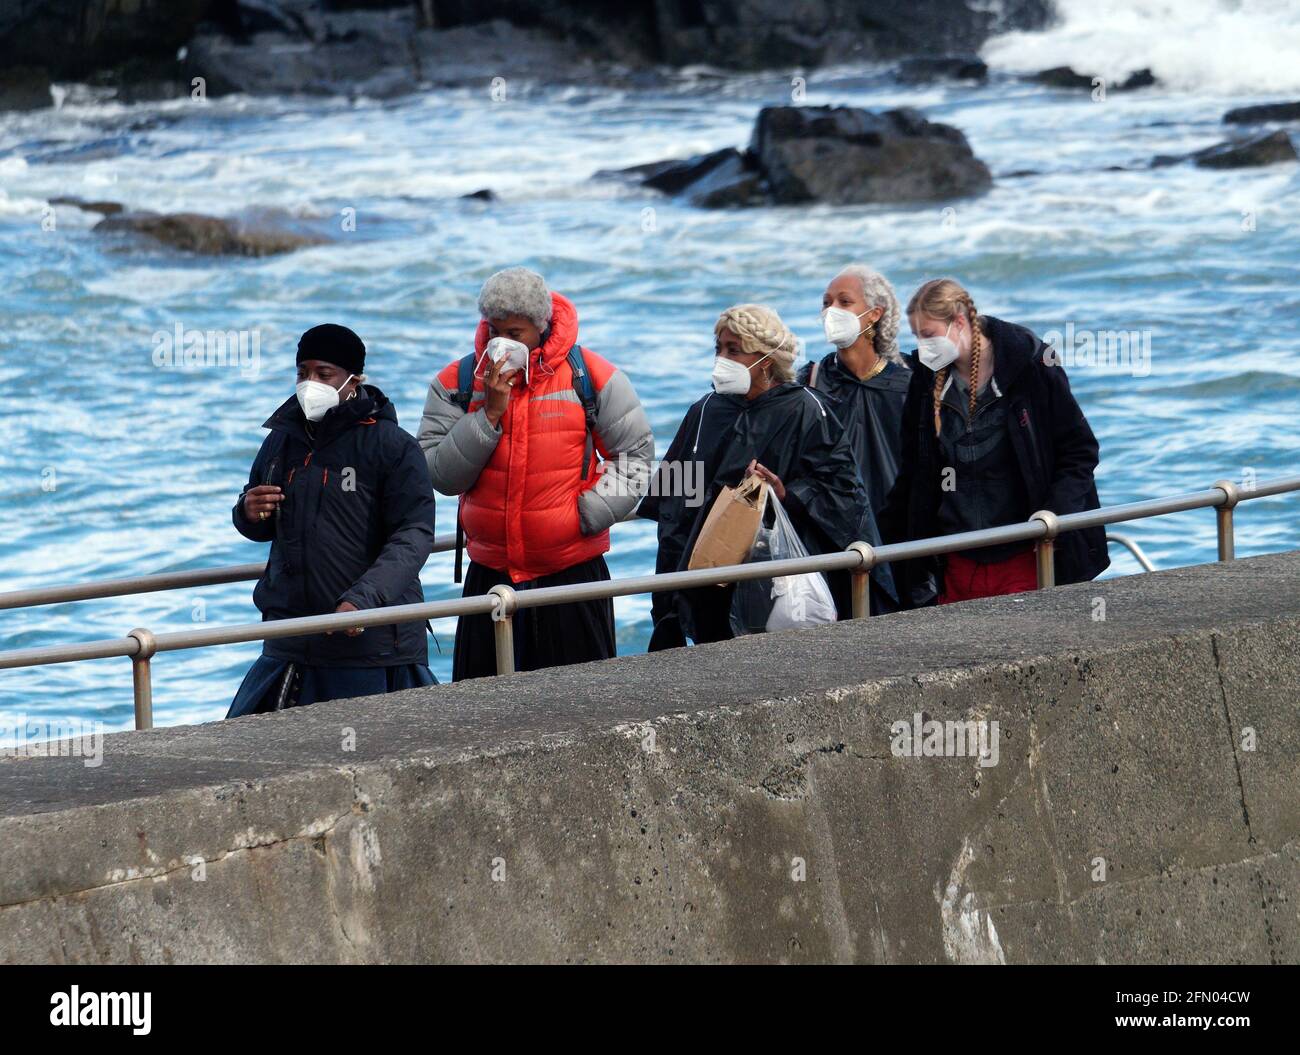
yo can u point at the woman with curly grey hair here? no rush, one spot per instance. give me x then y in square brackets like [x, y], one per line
[866, 381]
[755, 421]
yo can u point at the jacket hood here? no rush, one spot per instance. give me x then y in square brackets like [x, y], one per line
[561, 336]
[1016, 347]
[369, 403]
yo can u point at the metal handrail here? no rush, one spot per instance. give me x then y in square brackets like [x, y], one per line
[1130, 544]
[501, 602]
[157, 583]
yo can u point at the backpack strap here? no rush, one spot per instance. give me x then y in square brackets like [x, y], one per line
[464, 393]
[586, 392]
[812, 374]
[462, 397]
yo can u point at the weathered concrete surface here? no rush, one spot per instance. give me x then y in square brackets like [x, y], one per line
[652, 808]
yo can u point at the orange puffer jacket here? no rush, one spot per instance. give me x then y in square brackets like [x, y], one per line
[525, 507]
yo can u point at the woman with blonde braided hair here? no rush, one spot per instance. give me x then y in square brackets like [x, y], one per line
[866, 381]
[755, 421]
[991, 434]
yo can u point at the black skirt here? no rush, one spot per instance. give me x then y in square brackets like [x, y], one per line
[553, 636]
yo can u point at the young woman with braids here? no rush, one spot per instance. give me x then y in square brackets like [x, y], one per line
[756, 420]
[866, 381]
[991, 434]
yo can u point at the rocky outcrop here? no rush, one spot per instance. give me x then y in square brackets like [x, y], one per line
[104, 208]
[1245, 115]
[1066, 77]
[255, 235]
[924, 69]
[840, 155]
[758, 34]
[1236, 153]
[845, 156]
[1259, 150]
[386, 47]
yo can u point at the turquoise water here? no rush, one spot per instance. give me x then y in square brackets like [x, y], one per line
[114, 466]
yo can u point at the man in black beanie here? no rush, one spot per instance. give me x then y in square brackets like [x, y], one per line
[331, 359]
[342, 493]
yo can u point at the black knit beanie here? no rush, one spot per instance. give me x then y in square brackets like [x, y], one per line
[333, 344]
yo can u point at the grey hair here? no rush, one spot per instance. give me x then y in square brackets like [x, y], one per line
[516, 291]
[878, 293]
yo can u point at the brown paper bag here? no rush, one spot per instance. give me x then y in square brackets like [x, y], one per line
[732, 524]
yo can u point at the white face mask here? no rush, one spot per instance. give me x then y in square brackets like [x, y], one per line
[515, 353]
[317, 398]
[937, 352]
[731, 378]
[841, 326]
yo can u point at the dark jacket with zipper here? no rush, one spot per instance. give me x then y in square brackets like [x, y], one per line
[1055, 452]
[789, 429]
[356, 524]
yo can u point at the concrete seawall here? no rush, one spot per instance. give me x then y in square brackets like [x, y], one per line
[735, 802]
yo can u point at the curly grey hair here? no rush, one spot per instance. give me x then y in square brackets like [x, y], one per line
[878, 293]
[516, 291]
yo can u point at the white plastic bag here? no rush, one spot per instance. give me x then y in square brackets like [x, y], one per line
[786, 602]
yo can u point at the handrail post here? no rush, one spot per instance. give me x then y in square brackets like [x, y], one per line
[861, 580]
[503, 626]
[1223, 518]
[1045, 548]
[142, 677]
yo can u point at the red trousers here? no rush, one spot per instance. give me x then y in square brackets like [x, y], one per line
[965, 580]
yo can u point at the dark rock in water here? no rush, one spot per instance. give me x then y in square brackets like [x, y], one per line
[209, 235]
[1138, 79]
[675, 176]
[721, 179]
[839, 155]
[640, 173]
[1246, 115]
[1066, 77]
[736, 181]
[1063, 77]
[24, 88]
[486, 194]
[845, 155]
[923, 69]
[104, 208]
[1244, 153]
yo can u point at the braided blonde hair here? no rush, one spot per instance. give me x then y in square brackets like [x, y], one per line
[944, 300]
[762, 332]
[877, 292]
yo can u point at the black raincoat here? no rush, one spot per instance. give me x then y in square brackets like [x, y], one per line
[790, 430]
[1055, 451]
[356, 524]
[872, 414]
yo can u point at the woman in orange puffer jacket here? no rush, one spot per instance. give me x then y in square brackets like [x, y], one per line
[545, 462]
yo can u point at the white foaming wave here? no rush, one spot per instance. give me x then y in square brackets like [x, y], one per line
[1223, 46]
